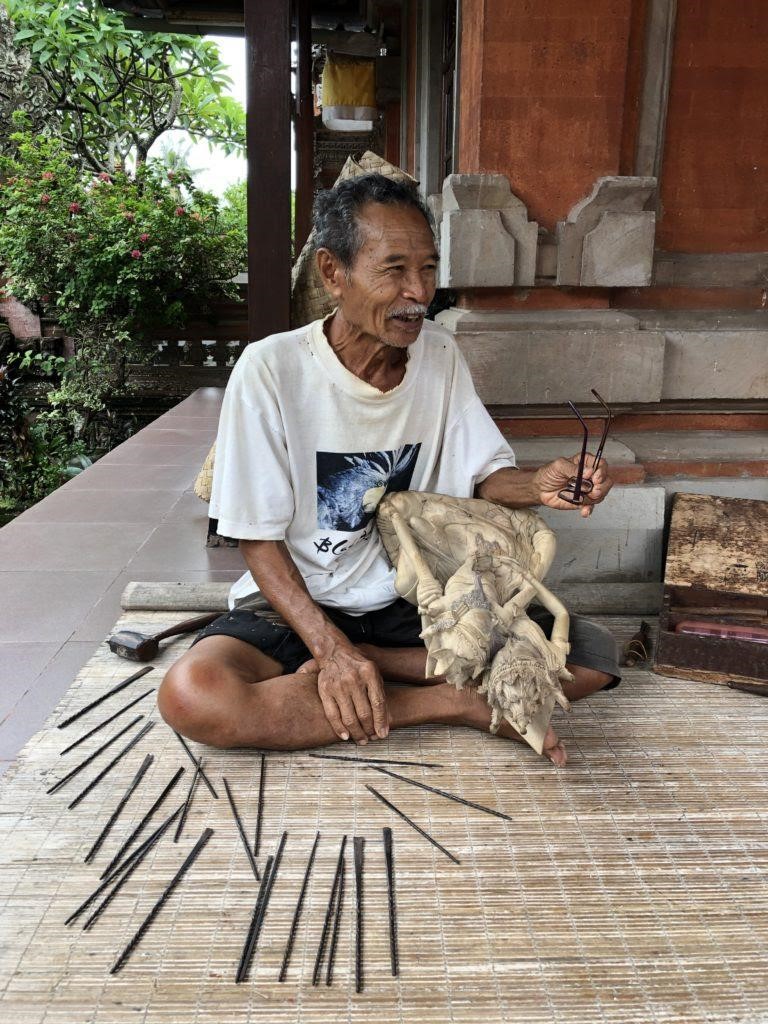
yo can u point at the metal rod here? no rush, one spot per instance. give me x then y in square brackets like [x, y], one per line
[122, 875]
[188, 801]
[359, 846]
[245, 956]
[413, 825]
[193, 759]
[297, 912]
[260, 807]
[108, 768]
[328, 912]
[446, 794]
[122, 960]
[116, 813]
[261, 910]
[106, 696]
[393, 951]
[124, 866]
[92, 757]
[138, 829]
[106, 721]
[241, 830]
[336, 924]
[375, 760]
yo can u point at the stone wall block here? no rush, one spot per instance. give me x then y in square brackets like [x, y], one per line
[618, 253]
[476, 250]
[485, 237]
[716, 364]
[616, 207]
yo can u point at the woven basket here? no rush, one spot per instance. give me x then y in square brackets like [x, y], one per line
[309, 300]
[204, 480]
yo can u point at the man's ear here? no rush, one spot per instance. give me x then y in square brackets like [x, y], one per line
[332, 273]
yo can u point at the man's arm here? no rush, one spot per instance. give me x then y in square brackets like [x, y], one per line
[350, 687]
[521, 488]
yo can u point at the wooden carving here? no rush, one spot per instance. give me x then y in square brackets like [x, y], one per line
[472, 567]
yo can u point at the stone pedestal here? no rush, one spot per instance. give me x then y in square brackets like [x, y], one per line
[551, 357]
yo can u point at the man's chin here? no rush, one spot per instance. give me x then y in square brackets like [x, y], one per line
[400, 334]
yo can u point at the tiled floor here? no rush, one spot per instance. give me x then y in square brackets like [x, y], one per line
[64, 562]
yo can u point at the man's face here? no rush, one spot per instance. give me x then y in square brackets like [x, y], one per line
[386, 292]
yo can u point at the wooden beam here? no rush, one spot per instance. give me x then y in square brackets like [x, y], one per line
[268, 147]
[305, 128]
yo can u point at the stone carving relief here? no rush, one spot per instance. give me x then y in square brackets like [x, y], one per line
[472, 567]
[486, 239]
[607, 238]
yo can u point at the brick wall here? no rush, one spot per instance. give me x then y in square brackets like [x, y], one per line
[713, 182]
[542, 96]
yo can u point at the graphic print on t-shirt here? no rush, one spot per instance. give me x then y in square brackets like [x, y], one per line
[351, 485]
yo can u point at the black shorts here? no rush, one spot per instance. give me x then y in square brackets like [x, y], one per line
[399, 625]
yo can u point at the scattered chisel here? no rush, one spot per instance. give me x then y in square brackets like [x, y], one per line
[106, 696]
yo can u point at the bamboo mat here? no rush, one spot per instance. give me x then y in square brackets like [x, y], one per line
[629, 887]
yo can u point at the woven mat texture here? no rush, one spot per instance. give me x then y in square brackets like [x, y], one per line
[630, 887]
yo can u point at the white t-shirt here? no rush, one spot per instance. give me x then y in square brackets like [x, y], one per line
[305, 451]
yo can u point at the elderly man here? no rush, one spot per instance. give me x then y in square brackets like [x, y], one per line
[317, 425]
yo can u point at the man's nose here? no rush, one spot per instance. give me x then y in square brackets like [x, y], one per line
[416, 288]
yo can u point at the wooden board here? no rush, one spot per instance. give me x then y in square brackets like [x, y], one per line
[720, 544]
[628, 888]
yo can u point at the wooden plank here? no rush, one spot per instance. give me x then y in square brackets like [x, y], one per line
[268, 142]
[720, 544]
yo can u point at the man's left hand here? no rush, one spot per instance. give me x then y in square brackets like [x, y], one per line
[553, 478]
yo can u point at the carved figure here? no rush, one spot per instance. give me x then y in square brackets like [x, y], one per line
[472, 567]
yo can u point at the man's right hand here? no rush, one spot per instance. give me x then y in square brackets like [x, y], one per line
[352, 693]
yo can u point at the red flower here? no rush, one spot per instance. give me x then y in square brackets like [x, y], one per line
[136, 253]
[45, 298]
[48, 175]
[104, 176]
[74, 207]
[180, 211]
[45, 199]
[144, 238]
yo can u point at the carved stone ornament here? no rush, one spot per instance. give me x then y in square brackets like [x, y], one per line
[472, 567]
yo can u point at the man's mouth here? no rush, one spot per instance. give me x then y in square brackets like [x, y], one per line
[408, 317]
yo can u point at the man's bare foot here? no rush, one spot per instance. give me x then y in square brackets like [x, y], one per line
[475, 712]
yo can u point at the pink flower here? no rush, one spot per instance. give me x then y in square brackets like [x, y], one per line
[136, 253]
[180, 211]
[45, 298]
[104, 176]
[45, 199]
[74, 207]
[48, 175]
[130, 216]
[144, 238]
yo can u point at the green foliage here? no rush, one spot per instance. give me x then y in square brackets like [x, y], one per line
[110, 252]
[114, 259]
[116, 90]
[38, 451]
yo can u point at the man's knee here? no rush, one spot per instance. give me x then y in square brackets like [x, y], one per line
[586, 681]
[191, 701]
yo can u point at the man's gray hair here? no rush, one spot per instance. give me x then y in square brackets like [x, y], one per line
[336, 211]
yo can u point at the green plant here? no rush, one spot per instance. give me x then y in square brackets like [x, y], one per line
[38, 450]
[115, 90]
[114, 259]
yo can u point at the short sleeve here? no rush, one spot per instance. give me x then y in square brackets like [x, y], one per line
[473, 446]
[251, 496]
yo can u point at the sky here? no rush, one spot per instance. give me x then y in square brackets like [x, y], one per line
[217, 171]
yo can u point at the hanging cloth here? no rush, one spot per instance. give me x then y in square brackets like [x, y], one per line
[349, 94]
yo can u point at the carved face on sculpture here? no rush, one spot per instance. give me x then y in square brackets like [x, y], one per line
[385, 293]
[462, 650]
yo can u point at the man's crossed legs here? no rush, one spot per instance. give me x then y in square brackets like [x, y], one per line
[227, 692]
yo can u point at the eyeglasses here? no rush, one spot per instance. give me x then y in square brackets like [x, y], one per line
[577, 486]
